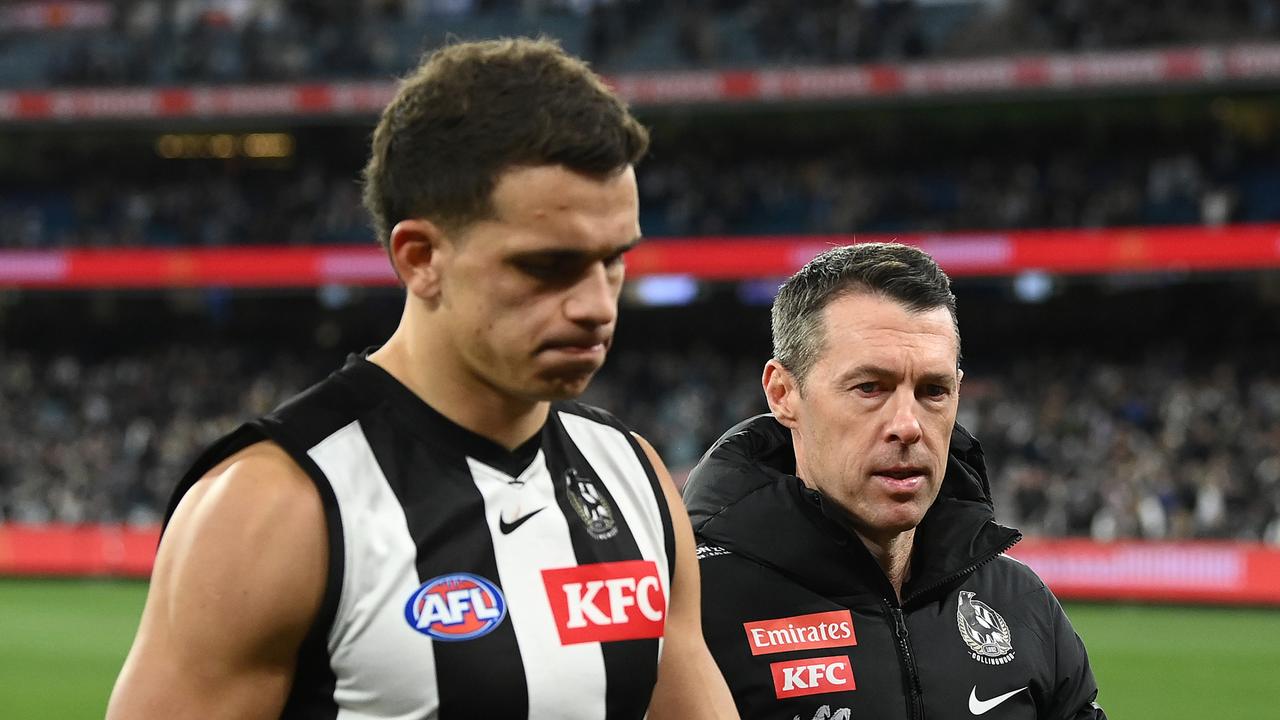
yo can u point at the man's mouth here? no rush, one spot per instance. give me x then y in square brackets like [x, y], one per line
[578, 347]
[901, 477]
[901, 473]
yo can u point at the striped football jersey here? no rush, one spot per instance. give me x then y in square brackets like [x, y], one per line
[467, 580]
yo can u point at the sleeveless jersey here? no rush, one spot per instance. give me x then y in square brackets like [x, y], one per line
[466, 580]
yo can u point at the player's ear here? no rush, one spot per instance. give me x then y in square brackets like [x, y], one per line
[417, 250]
[781, 392]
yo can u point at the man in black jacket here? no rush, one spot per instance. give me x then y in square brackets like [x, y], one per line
[851, 566]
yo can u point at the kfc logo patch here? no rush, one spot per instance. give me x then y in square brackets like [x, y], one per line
[801, 632]
[603, 602]
[812, 676]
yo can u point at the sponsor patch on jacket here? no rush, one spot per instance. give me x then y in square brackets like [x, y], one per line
[705, 551]
[603, 602]
[801, 632]
[984, 631]
[812, 676]
[457, 606]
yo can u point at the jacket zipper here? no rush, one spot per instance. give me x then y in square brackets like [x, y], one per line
[911, 676]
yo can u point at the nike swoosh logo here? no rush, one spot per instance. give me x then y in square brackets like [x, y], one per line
[981, 707]
[508, 527]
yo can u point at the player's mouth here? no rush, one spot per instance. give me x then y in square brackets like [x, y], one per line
[594, 349]
[582, 348]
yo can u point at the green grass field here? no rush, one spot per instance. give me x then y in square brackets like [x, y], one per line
[62, 642]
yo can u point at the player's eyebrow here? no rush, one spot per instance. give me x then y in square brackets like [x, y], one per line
[563, 255]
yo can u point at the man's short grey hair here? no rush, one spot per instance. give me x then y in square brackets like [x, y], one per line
[893, 270]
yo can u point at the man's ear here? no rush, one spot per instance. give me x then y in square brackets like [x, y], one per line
[417, 248]
[782, 393]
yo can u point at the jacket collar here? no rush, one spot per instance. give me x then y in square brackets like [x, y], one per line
[744, 496]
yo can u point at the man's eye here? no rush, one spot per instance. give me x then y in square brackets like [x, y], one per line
[936, 391]
[542, 269]
[867, 388]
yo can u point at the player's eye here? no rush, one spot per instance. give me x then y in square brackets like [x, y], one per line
[546, 269]
[616, 260]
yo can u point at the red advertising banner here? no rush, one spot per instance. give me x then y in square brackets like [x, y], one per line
[74, 550]
[1024, 74]
[1238, 247]
[1191, 572]
[1220, 573]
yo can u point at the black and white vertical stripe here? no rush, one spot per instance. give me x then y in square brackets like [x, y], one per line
[418, 497]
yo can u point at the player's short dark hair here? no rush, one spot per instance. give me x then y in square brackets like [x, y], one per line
[473, 110]
[899, 272]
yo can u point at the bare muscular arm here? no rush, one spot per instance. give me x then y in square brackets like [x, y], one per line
[238, 579]
[689, 683]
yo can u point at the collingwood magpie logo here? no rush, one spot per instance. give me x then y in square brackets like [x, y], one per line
[590, 504]
[984, 631]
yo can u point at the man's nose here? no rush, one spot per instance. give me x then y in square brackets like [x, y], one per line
[593, 300]
[904, 424]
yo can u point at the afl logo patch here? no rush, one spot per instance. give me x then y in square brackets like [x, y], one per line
[458, 606]
[983, 630]
[591, 505]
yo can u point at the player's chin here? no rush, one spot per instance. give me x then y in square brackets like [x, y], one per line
[565, 385]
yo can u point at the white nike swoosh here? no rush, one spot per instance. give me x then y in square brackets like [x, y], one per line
[980, 707]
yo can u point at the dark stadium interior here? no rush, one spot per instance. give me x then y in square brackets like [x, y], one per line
[1125, 399]
[1043, 375]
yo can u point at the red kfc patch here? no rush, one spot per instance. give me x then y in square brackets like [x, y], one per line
[812, 676]
[603, 602]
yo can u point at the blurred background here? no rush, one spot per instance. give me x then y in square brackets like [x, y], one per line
[182, 247]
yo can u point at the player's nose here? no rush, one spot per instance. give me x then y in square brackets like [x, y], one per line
[593, 300]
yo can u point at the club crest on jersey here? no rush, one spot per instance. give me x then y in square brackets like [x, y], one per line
[984, 631]
[457, 606]
[591, 505]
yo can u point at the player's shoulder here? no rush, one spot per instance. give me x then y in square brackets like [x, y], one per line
[263, 466]
[258, 484]
[251, 530]
[597, 415]
[327, 405]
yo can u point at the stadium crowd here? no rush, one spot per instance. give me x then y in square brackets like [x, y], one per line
[1077, 447]
[161, 41]
[854, 185]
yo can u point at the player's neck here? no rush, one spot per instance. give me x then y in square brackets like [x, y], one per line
[456, 393]
[893, 553]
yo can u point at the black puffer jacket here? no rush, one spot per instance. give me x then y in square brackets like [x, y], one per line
[804, 624]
